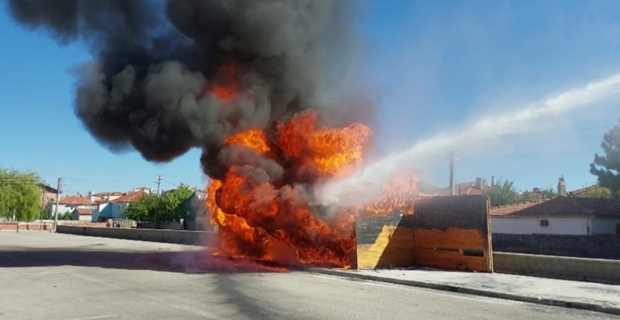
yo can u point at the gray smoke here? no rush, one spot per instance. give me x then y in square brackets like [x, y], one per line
[157, 61]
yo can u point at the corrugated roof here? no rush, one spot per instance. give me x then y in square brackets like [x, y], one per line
[562, 207]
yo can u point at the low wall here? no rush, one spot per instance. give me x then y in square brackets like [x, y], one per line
[594, 270]
[597, 247]
[25, 226]
[167, 236]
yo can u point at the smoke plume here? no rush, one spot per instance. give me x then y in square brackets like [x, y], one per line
[163, 70]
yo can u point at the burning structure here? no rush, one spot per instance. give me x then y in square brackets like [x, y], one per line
[251, 84]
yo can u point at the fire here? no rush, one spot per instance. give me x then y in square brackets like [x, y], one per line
[332, 152]
[225, 83]
[253, 139]
[269, 216]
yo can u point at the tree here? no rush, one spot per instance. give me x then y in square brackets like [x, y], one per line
[172, 205]
[607, 167]
[20, 195]
[65, 216]
[142, 209]
[502, 193]
[548, 193]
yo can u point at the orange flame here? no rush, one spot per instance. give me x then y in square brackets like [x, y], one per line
[225, 83]
[271, 218]
[253, 139]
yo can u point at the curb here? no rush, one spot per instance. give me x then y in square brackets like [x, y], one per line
[471, 291]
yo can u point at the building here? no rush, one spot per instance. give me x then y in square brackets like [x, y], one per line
[48, 194]
[102, 197]
[81, 214]
[558, 216]
[120, 204]
[594, 191]
[477, 187]
[70, 203]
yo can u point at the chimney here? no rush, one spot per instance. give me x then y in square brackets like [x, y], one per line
[481, 183]
[562, 187]
[492, 181]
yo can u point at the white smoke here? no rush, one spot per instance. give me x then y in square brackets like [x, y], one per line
[365, 185]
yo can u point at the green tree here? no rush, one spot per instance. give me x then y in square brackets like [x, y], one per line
[607, 167]
[172, 205]
[65, 216]
[20, 195]
[142, 209]
[502, 193]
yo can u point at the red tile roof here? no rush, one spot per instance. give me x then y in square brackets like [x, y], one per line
[75, 200]
[130, 197]
[562, 207]
[84, 212]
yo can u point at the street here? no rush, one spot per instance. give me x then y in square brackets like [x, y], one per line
[56, 276]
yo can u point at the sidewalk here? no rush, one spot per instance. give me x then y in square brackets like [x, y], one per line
[562, 293]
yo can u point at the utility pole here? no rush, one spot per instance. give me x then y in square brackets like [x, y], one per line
[452, 173]
[42, 204]
[58, 192]
[158, 183]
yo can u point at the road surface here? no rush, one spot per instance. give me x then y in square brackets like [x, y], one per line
[55, 276]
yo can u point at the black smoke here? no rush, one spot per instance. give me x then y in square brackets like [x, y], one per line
[155, 62]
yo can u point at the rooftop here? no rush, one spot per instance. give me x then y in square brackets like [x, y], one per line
[75, 200]
[562, 207]
[130, 197]
[84, 212]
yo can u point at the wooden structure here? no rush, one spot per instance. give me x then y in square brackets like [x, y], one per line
[444, 232]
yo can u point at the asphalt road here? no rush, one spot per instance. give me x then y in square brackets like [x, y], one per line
[55, 276]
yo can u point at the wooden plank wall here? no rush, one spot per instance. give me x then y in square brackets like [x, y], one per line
[444, 232]
[384, 242]
[453, 233]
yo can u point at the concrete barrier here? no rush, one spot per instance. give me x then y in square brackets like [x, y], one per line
[584, 269]
[153, 235]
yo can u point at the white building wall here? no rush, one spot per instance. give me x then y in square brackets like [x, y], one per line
[62, 208]
[531, 225]
[604, 225]
[118, 208]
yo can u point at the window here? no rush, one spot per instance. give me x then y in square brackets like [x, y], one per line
[544, 223]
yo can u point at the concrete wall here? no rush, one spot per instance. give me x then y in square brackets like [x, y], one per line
[530, 225]
[598, 247]
[168, 236]
[604, 226]
[595, 270]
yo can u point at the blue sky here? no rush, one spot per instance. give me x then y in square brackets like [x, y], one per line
[434, 65]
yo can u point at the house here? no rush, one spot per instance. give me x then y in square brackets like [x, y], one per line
[81, 214]
[107, 196]
[70, 203]
[118, 206]
[48, 194]
[558, 216]
[477, 187]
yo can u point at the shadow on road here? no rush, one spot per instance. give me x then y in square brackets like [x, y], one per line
[186, 261]
[232, 291]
